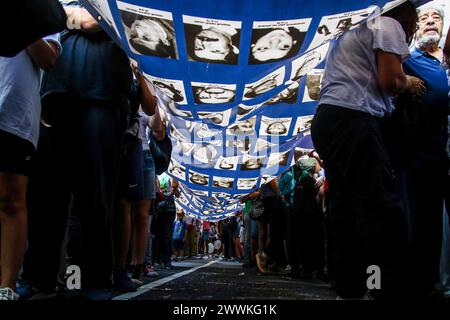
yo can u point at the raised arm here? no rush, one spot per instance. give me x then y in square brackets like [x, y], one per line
[43, 53]
[81, 19]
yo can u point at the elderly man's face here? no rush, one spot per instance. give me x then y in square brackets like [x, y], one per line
[148, 33]
[212, 45]
[430, 25]
[274, 45]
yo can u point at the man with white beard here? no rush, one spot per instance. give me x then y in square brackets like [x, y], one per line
[423, 183]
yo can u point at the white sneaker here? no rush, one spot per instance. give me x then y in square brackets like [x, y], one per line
[8, 294]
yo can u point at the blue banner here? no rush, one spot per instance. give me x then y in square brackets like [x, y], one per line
[237, 83]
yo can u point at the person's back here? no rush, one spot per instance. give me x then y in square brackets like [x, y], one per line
[350, 79]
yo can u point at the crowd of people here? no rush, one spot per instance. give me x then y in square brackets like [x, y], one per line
[79, 184]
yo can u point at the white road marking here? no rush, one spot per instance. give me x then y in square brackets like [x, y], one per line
[146, 288]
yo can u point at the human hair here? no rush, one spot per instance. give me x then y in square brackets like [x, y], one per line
[438, 8]
[406, 14]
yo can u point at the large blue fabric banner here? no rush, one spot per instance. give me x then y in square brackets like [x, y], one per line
[237, 83]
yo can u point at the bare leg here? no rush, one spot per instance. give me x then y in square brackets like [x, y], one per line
[14, 228]
[142, 231]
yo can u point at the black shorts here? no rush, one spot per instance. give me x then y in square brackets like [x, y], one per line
[16, 154]
[131, 184]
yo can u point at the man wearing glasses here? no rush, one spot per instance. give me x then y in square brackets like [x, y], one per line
[423, 183]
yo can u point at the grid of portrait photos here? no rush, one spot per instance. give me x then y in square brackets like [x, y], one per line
[231, 134]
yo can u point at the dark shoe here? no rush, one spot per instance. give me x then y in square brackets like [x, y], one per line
[121, 281]
[138, 272]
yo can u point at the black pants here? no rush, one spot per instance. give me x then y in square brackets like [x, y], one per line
[422, 197]
[78, 156]
[277, 230]
[364, 207]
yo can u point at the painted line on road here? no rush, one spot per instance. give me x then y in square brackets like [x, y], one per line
[149, 286]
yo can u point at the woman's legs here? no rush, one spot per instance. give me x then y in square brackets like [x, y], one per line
[13, 223]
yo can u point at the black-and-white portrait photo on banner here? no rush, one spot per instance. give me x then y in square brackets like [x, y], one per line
[244, 110]
[213, 93]
[177, 170]
[244, 127]
[173, 89]
[334, 25]
[227, 163]
[274, 126]
[219, 118]
[262, 145]
[303, 124]
[288, 95]
[313, 85]
[205, 153]
[269, 82]
[278, 159]
[103, 8]
[212, 40]
[277, 40]
[198, 178]
[307, 62]
[203, 131]
[223, 182]
[246, 183]
[149, 32]
[252, 163]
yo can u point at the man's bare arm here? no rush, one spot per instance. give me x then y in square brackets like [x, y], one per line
[43, 53]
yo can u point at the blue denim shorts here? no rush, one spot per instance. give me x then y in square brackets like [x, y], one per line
[149, 176]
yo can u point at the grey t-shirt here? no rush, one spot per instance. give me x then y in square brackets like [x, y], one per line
[350, 78]
[20, 103]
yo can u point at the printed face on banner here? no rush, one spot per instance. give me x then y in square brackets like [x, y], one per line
[205, 153]
[252, 163]
[243, 110]
[211, 93]
[198, 178]
[245, 127]
[277, 40]
[267, 83]
[313, 85]
[275, 127]
[289, 95]
[212, 40]
[308, 62]
[278, 159]
[334, 25]
[302, 124]
[246, 183]
[172, 89]
[177, 170]
[221, 182]
[218, 118]
[227, 163]
[149, 32]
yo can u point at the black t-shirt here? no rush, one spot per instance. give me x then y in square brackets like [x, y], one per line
[92, 66]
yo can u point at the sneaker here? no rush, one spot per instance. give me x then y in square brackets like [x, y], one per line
[8, 294]
[149, 271]
[121, 281]
[261, 262]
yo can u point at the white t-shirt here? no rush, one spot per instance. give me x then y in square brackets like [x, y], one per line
[350, 78]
